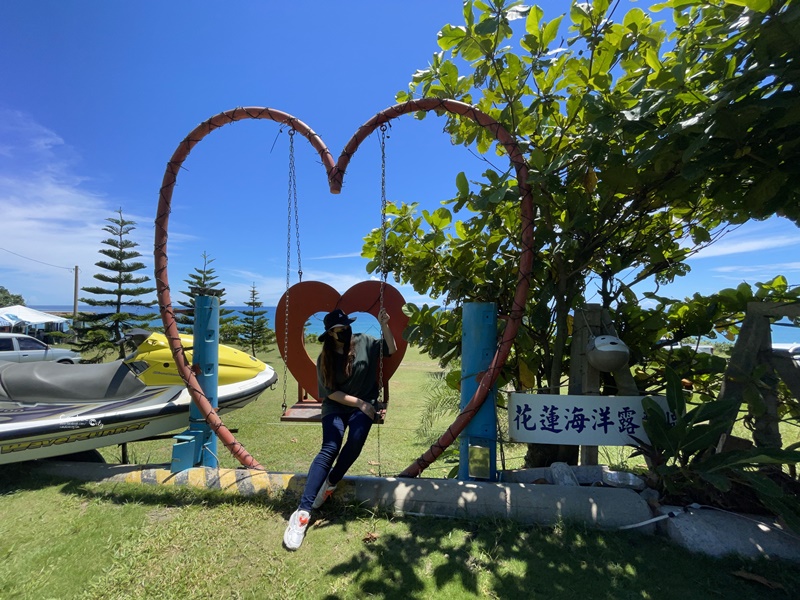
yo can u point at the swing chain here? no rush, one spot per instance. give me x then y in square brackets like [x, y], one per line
[382, 251]
[292, 197]
[383, 279]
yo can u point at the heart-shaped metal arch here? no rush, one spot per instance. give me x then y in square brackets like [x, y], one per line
[335, 172]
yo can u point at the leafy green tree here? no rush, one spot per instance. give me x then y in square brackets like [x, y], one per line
[623, 191]
[736, 79]
[256, 334]
[205, 278]
[599, 213]
[101, 332]
[9, 299]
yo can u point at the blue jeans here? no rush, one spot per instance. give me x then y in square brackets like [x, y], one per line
[333, 427]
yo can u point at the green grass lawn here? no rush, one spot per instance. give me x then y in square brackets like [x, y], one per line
[64, 539]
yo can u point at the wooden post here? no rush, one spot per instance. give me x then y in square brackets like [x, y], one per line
[753, 337]
[583, 377]
[626, 384]
[753, 348]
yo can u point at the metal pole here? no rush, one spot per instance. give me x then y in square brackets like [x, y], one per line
[205, 363]
[478, 441]
[75, 307]
[75, 296]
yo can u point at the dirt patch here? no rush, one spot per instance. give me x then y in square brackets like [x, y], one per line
[162, 514]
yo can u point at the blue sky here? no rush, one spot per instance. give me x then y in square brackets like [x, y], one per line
[96, 96]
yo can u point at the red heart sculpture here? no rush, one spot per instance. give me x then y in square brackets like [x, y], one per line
[308, 298]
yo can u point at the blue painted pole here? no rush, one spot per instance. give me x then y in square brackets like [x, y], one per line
[478, 441]
[205, 360]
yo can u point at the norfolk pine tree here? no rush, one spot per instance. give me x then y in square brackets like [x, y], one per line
[205, 277]
[256, 334]
[101, 331]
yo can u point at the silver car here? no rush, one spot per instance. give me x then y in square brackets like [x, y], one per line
[16, 347]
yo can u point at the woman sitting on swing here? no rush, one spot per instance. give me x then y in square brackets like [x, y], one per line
[347, 371]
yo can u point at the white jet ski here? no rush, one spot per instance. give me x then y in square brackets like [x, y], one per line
[49, 409]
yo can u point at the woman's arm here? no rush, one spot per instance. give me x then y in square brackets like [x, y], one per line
[348, 400]
[388, 337]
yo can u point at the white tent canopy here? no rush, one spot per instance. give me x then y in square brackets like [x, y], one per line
[23, 314]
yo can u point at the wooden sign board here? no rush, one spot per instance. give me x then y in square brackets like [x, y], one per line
[578, 420]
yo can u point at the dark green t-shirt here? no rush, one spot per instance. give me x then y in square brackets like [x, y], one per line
[363, 381]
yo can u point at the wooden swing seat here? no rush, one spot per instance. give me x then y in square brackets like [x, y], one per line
[308, 298]
[309, 410]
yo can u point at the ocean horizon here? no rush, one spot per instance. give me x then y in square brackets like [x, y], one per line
[366, 323]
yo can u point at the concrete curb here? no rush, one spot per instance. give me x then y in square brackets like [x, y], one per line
[719, 533]
[606, 508]
[600, 507]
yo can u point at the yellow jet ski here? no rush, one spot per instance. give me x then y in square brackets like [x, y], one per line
[49, 409]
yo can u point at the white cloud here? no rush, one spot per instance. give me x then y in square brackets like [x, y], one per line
[24, 138]
[727, 248]
[335, 256]
[753, 236]
[781, 268]
[48, 222]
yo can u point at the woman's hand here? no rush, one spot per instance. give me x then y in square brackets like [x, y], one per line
[367, 409]
[383, 317]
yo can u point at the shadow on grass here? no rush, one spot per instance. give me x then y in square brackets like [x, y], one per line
[178, 496]
[417, 557]
[499, 558]
[23, 476]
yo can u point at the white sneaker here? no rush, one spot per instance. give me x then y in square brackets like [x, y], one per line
[323, 494]
[296, 531]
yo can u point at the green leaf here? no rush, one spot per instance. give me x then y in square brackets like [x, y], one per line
[462, 184]
[718, 480]
[657, 427]
[788, 508]
[532, 22]
[634, 19]
[778, 286]
[751, 457]
[762, 484]
[701, 438]
[438, 219]
[469, 15]
[538, 159]
[652, 59]
[766, 188]
[711, 411]
[486, 27]
[451, 36]
[551, 31]
[675, 399]
[453, 379]
[761, 6]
